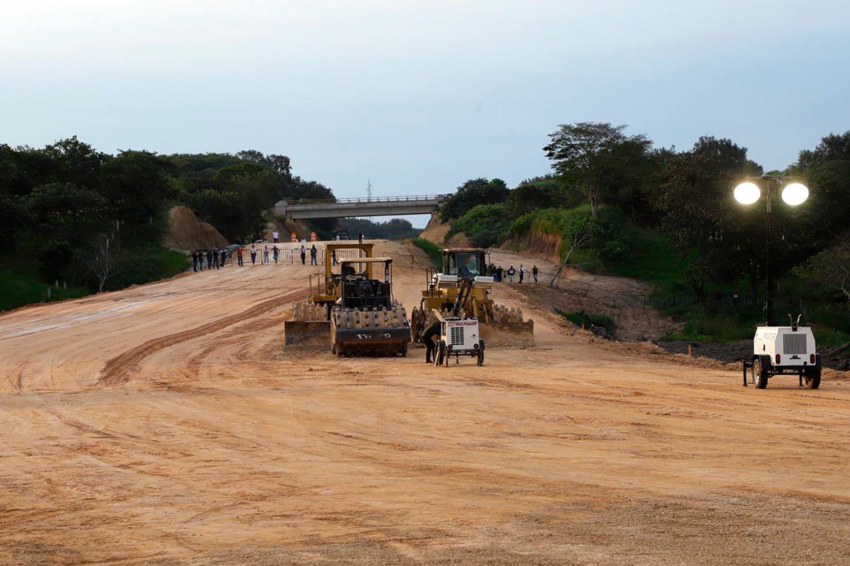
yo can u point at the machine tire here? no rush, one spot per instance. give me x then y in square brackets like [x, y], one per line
[812, 379]
[440, 354]
[759, 374]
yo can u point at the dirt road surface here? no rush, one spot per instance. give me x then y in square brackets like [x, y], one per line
[164, 424]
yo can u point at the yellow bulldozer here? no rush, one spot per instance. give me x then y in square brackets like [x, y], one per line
[463, 287]
[351, 307]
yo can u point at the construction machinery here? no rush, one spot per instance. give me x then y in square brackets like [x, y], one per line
[366, 320]
[783, 350]
[463, 287]
[310, 323]
[458, 337]
[351, 306]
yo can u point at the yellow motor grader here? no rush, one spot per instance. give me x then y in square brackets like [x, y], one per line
[464, 286]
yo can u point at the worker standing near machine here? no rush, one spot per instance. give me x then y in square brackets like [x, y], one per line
[431, 331]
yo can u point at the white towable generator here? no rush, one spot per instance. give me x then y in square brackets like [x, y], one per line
[783, 350]
[458, 337]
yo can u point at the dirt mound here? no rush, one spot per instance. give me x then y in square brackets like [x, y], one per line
[186, 233]
[538, 245]
[435, 231]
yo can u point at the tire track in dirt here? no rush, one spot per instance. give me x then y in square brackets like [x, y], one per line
[117, 369]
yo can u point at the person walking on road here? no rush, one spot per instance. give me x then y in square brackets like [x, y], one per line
[303, 255]
[215, 258]
[276, 236]
[223, 256]
[253, 255]
[534, 272]
[511, 273]
[194, 260]
[522, 271]
[266, 254]
[275, 253]
[313, 252]
[431, 331]
[239, 253]
[209, 259]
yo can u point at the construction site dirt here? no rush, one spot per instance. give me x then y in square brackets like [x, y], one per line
[166, 424]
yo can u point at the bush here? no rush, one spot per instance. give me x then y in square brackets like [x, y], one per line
[430, 248]
[581, 318]
[471, 194]
[147, 264]
[485, 224]
[610, 237]
[19, 288]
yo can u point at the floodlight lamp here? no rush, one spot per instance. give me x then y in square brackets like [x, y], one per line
[795, 193]
[747, 193]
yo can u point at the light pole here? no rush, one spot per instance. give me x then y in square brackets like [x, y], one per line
[793, 194]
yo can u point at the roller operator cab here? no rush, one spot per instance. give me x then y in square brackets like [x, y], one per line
[784, 350]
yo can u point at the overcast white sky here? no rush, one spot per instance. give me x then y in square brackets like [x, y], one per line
[419, 96]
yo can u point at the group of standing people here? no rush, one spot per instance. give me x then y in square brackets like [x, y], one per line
[499, 273]
[217, 258]
[214, 259]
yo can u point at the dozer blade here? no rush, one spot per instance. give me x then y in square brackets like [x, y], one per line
[508, 333]
[307, 333]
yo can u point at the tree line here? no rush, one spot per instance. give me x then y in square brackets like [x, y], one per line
[67, 210]
[608, 189]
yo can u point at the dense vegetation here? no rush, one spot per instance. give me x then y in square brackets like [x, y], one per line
[75, 220]
[621, 206]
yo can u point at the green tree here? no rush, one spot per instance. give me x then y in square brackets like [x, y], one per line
[829, 270]
[701, 216]
[826, 170]
[137, 188]
[76, 162]
[533, 194]
[471, 194]
[598, 158]
[64, 218]
[485, 224]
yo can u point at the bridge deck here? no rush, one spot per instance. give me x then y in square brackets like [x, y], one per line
[346, 207]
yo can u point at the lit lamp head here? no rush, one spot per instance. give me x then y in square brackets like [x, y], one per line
[748, 193]
[795, 193]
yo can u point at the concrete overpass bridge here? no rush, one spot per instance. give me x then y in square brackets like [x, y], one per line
[349, 207]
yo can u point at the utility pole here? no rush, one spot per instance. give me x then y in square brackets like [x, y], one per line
[368, 189]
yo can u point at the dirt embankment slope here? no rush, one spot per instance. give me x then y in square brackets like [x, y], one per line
[163, 424]
[185, 232]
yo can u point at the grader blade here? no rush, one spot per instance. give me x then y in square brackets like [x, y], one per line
[508, 333]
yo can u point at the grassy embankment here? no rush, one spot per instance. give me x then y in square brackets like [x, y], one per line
[430, 248]
[620, 248]
[21, 284]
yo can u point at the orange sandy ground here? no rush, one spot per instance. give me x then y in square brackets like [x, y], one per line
[164, 424]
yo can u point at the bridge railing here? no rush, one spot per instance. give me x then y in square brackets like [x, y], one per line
[367, 200]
